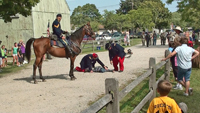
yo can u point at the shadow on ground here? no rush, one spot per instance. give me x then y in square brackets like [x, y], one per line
[30, 80]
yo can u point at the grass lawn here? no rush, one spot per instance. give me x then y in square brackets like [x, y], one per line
[128, 103]
[89, 50]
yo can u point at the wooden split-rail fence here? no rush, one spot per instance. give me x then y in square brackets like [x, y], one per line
[113, 96]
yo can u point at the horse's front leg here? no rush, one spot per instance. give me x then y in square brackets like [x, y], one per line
[71, 72]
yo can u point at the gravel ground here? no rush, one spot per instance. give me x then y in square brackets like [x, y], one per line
[59, 93]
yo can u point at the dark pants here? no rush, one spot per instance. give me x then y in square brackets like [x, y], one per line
[147, 42]
[63, 41]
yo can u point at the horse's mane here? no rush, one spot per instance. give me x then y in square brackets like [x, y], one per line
[76, 33]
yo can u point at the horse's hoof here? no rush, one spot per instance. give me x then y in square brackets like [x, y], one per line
[73, 78]
[35, 82]
[43, 80]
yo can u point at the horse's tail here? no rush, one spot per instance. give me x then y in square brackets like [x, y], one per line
[28, 49]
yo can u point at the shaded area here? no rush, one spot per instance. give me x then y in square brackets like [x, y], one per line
[29, 79]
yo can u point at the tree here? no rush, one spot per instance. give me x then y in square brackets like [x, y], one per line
[83, 14]
[177, 21]
[10, 8]
[142, 18]
[109, 20]
[189, 10]
[161, 15]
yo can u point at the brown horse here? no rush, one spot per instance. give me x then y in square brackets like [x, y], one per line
[42, 46]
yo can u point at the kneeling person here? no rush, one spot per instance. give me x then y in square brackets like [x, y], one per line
[88, 62]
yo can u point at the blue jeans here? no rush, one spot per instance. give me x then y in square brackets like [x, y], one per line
[154, 41]
[184, 73]
[63, 41]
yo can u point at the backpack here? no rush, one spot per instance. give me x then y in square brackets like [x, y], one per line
[99, 69]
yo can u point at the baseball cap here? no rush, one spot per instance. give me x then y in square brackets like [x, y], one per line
[95, 55]
[59, 15]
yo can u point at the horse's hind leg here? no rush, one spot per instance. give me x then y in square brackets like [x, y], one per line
[40, 70]
[35, 65]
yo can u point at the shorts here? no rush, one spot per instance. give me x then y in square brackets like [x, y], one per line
[14, 54]
[0, 61]
[184, 73]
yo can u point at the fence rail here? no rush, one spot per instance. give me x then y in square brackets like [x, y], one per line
[113, 96]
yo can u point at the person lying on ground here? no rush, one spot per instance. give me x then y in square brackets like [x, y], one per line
[88, 62]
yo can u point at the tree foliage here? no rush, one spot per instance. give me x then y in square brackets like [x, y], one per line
[110, 20]
[83, 14]
[189, 10]
[10, 8]
[142, 18]
[161, 15]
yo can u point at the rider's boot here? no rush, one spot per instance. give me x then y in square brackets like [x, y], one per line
[67, 49]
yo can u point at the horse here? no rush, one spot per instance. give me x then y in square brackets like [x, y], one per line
[42, 46]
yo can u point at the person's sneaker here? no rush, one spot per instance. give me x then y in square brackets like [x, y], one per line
[178, 86]
[190, 90]
[120, 71]
[185, 94]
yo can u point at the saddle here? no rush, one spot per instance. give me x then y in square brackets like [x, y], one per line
[73, 46]
[54, 41]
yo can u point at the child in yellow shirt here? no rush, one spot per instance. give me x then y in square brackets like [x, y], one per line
[164, 104]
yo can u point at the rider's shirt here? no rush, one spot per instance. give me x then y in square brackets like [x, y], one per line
[57, 28]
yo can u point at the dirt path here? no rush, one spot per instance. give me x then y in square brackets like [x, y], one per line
[59, 94]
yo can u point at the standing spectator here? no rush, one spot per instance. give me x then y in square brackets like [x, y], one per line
[148, 38]
[151, 37]
[116, 55]
[2, 56]
[184, 57]
[143, 38]
[19, 55]
[125, 39]
[23, 50]
[190, 40]
[163, 39]
[88, 62]
[193, 36]
[164, 104]
[179, 32]
[14, 53]
[0, 59]
[128, 39]
[5, 52]
[174, 64]
[154, 38]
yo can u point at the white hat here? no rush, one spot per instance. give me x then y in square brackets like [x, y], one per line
[178, 28]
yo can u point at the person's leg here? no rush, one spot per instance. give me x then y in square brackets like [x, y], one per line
[115, 63]
[121, 63]
[13, 60]
[155, 42]
[187, 80]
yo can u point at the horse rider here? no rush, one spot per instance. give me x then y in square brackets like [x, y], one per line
[88, 62]
[58, 32]
[116, 55]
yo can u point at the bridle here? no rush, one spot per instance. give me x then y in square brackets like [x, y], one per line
[87, 29]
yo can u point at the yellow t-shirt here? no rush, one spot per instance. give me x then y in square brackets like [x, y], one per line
[163, 105]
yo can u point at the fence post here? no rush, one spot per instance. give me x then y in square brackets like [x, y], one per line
[93, 45]
[152, 78]
[167, 66]
[111, 85]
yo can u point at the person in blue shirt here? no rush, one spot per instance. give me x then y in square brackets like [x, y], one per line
[58, 32]
[185, 54]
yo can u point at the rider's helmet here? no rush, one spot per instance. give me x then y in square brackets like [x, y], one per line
[59, 15]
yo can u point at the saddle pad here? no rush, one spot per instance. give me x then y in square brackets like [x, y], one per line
[56, 43]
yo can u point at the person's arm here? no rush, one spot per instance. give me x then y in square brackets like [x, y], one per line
[169, 56]
[101, 63]
[151, 107]
[18, 53]
[196, 53]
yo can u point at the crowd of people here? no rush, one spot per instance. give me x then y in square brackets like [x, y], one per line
[17, 53]
[181, 55]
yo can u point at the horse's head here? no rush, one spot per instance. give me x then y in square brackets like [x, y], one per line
[88, 30]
